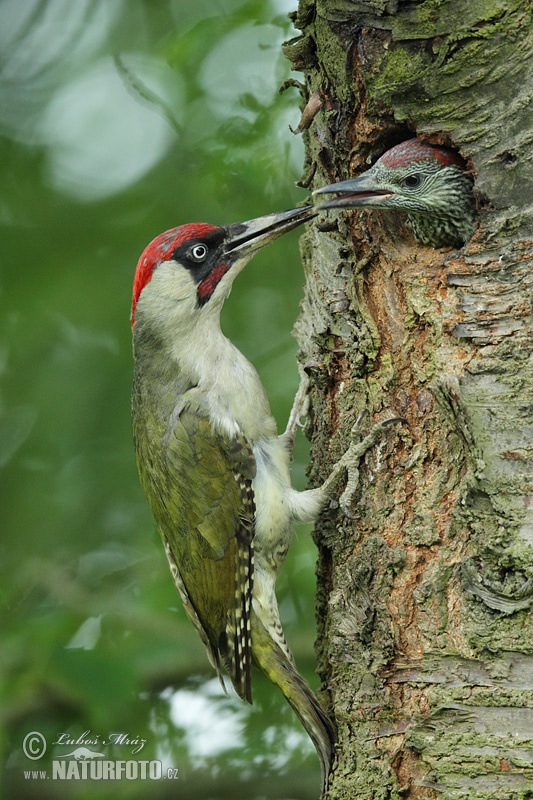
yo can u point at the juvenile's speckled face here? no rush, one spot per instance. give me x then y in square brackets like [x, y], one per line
[429, 183]
[426, 187]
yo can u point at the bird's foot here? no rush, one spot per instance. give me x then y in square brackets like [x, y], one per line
[350, 461]
[300, 409]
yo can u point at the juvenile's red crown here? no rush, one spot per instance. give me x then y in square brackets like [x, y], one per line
[413, 150]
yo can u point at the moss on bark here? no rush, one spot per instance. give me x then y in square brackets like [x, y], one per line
[426, 630]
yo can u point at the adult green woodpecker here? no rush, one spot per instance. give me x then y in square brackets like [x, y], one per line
[214, 470]
[430, 183]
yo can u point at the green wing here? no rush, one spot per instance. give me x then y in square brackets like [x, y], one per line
[205, 510]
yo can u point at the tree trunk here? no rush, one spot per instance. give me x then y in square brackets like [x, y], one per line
[426, 631]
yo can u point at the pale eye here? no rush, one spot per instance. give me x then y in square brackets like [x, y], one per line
[412, 181]
[198, 252]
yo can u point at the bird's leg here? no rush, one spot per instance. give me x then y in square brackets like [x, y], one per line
[300, 408]
[350, 462]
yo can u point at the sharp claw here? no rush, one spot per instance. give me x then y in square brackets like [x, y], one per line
[345, 510]
[351, 459]
[360, 417]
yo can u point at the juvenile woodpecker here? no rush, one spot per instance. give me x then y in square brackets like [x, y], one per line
[429, 183]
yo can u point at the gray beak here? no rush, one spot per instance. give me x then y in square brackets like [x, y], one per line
[361, 192]
[247, 237]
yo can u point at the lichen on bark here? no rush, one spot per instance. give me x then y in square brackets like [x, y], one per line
[425, 623]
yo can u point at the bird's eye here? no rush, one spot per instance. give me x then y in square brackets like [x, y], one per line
[198, 252]
[411, 181]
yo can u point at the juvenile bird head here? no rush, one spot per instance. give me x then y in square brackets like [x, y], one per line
[186, 273]
[429, 183]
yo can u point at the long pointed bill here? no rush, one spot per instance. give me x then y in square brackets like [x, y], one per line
[244, 238]
[359, 192]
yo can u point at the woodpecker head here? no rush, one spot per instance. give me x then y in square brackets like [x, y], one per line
[429, 183]
[187, 272]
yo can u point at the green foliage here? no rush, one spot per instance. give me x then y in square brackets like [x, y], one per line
[119, 120]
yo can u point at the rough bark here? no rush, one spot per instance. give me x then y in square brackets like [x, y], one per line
[426, 632]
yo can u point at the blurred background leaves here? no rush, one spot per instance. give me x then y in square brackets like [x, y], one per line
[119, 119]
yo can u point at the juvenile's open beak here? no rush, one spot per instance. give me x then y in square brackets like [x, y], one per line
[244, 238]
[359, 192]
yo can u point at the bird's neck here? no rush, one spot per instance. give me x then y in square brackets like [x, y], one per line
[202, 363]
[442, 230]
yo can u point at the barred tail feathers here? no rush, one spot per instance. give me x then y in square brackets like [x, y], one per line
[238, 629]
[238, 655]
[270, 658]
